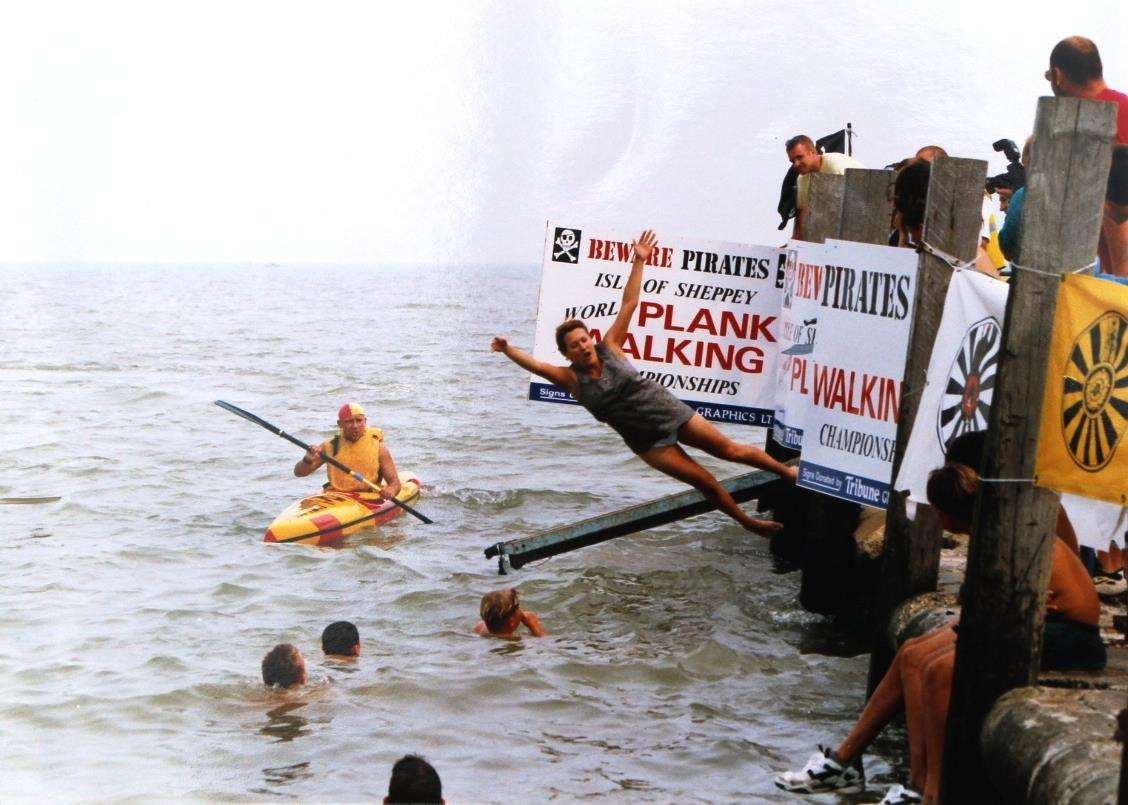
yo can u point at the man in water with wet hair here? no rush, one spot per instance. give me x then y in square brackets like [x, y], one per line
[357, 446]
[414, 780]
[341, 639]
[284, 666]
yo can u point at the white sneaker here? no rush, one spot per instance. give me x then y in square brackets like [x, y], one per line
[899, 795]
[1110, 585]
[823, 773]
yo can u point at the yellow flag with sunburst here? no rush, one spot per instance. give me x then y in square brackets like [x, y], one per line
[1083, 439]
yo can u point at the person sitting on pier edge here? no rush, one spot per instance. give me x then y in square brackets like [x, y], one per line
[341, 639]
[919, 680]
[650, 419]
[502, 615]
[284, 666]
[414, 780]
[356, 446]
[806, 159]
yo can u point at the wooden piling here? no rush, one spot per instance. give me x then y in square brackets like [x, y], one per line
[911, 557]
[1013, 530]
[867, 206]
[827, 548]
[824, 206]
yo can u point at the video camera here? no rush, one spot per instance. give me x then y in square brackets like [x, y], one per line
[1014, 176]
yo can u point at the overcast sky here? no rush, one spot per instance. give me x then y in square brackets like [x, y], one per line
[448, 133]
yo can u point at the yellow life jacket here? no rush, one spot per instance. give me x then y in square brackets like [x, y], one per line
[363, 455]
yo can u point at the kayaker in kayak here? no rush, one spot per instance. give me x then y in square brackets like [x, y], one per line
[651, 420]
[357, 446]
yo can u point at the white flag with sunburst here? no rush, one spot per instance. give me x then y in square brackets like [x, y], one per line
[961, 376]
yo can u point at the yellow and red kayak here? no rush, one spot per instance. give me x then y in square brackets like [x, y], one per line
[329, 517]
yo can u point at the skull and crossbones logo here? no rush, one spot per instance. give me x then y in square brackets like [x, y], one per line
[566, 246]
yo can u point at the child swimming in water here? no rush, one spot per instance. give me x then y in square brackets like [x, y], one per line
[502, 615]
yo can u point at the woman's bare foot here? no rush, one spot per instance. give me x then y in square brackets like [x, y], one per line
[765, 528]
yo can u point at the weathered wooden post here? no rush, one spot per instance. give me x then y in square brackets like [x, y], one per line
[911, 557]
[1013, 530]
[867, 206]
[828, 549]
[824, 206]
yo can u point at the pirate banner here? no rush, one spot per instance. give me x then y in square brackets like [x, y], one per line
[961, 376]
[803, 275]
[864, 308]
[1081, 442]
[705, 328]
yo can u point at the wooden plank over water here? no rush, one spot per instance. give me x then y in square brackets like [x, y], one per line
[519, 552]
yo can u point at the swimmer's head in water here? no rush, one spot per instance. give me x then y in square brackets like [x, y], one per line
[951, 491]
[284, 666]
[341, 638]
[498, 607]
[414, 780]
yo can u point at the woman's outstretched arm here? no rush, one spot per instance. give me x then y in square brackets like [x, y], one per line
[618, 331]
[559, 375]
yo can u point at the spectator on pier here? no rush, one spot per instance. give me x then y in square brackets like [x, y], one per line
[1113, 245]
[1010, 236]
[910, 192]
[341, 639]
[284, 666]
[502, 615]
[414, 780]
[910, 195]
[919, 680]
[929, 153]
[1076, 72]
[806, 159]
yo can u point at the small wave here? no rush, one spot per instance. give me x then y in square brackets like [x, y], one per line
[512, 498]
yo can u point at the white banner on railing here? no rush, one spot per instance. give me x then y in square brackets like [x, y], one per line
[865, 300]
[706, 327]
[804, 272]
[961, 376]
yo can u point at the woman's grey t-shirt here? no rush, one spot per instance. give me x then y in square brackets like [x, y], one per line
[639, 410]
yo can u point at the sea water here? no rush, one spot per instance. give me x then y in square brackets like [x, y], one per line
[136, 608]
